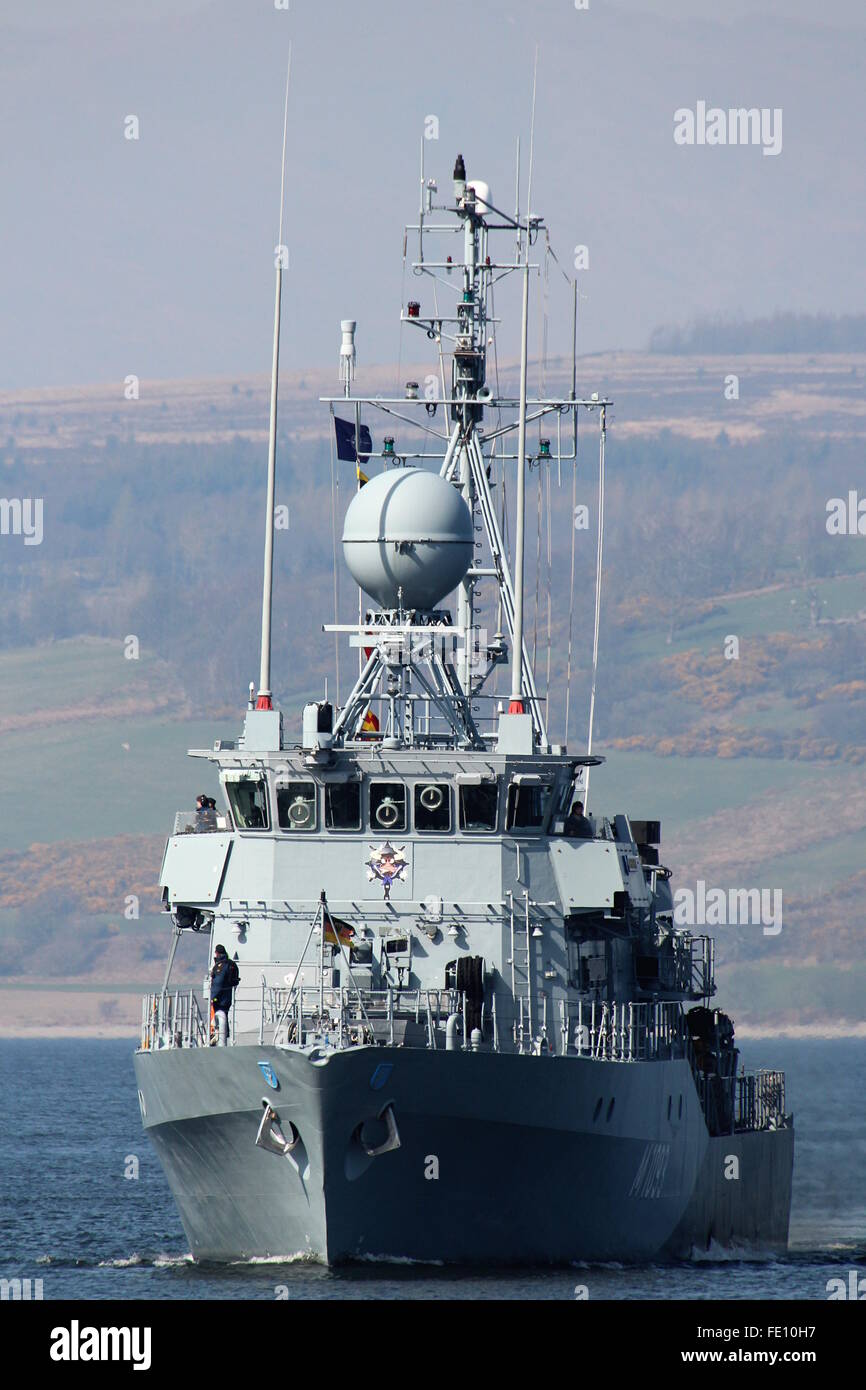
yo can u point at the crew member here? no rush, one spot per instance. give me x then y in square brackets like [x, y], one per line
[221, 994]
[577, 825]
[205, 813]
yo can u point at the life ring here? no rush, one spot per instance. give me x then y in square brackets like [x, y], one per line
[431, 797]
[388, 813]
[300, 812]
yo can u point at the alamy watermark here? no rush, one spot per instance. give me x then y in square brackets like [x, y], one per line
[20, 1289]
[719, 907]
[846, 516]
[22, 516]
[738, 125]
[855, 1289]
[77, 1343]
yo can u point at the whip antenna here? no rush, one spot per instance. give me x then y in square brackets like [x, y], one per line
[264, 695]
[516, 703]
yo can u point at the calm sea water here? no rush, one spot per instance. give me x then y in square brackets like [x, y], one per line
[69, 1216]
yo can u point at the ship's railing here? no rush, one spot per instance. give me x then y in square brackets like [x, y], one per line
[701, 982]
[186, 823]
[739, 1103]
[628, 1032]
[760, 1100]
[172, 1019]
[278, 1015]
[343, 1017]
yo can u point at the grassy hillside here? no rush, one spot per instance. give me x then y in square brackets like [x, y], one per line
[715, 527]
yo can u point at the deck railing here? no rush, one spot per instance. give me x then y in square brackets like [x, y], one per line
[188, 823]
[343, 1017]
[436, 1019]
[332, 1017]
[760, 1100]
[347, 1017]
[628, 1032]
[172, 1019]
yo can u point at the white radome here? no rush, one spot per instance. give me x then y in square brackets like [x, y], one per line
[408, 529]
[482, 195]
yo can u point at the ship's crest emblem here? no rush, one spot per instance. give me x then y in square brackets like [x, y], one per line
[388, 864]
[269, 1074]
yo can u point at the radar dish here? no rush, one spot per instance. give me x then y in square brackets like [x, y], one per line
[410, 530]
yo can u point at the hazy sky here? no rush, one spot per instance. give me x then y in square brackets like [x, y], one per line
[156, 256]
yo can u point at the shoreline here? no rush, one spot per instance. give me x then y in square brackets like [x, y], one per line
[847, 1028]
[69, 1031]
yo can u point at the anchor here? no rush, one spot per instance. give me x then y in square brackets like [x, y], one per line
[271, 1136]
[391, 1142]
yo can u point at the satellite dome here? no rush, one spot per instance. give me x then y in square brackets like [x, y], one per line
[408, 529]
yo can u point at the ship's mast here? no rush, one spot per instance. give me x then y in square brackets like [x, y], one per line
[264, 693]
[406, 663]
[471, 326]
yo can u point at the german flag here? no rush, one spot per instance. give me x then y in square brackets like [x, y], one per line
[338, 932]
[362, 477]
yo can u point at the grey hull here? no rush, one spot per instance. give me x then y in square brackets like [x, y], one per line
[482, 1174]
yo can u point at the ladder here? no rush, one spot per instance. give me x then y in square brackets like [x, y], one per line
[523, 1026]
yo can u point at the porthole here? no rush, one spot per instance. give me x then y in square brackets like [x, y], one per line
[680, 1112]
[670, 1107]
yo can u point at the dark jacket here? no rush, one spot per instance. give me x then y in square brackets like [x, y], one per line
[220, 988]
[578, 828]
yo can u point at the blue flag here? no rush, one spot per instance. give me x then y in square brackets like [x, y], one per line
[346, 441]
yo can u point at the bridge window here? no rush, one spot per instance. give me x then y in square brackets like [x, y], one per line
[478, 807]
[387, 806]
[527, 804]
[343, 805]
[296, 806]
[248, 799]
[432, 807]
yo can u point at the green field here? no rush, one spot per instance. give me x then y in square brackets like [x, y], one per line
[81, 782]
[829, 861]
[93, 780]
[680, 790]
[77, 671]
[781, 610]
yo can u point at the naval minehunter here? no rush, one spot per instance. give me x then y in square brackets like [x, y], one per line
[433, 966]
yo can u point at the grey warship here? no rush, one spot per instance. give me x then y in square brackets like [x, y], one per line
[467, 1028]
